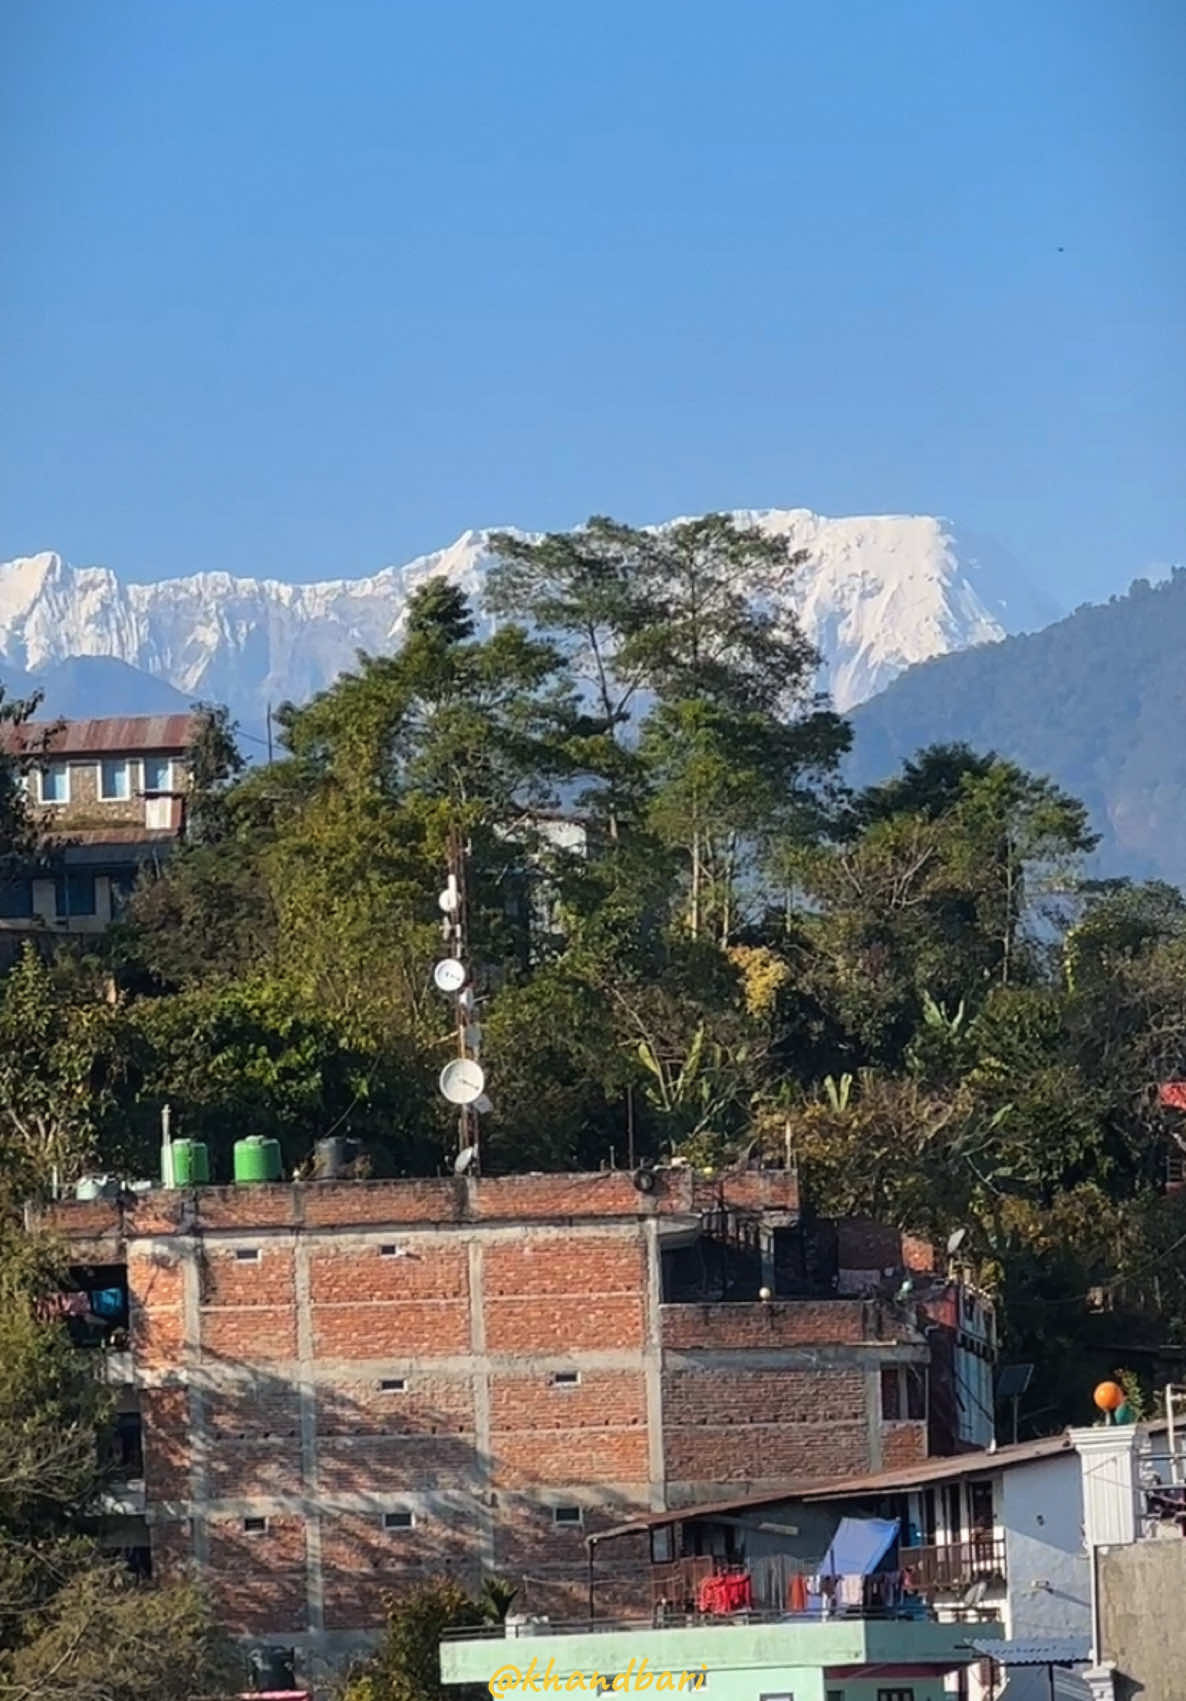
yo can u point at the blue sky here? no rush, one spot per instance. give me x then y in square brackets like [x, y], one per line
[303, 289]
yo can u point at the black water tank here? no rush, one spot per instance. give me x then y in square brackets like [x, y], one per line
[333, 1158]
[272, 1669]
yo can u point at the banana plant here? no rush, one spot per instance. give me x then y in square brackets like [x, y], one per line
[839, 1093]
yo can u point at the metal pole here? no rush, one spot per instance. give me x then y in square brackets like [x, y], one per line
[590, 1542]
[630, 1127]
[1169, 1419]
[268, 725]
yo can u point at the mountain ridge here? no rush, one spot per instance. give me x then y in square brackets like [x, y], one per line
[878, 593]
[1095, 700]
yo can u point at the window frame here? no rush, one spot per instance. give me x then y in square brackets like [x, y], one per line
[405, 1516]
[64, 910]
[44, 768]
[576, 1523]
[393, 1384]
[168, 785]
[255, 1525]
[105, 762]
[566, 1379]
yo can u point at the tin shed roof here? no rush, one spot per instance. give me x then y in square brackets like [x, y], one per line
[115, 736]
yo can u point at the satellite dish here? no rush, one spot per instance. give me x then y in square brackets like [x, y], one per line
[955, 1241]
[482, 1105]
[466, 999]
[448, 900]
[462, 1081]
[449, 975]
[464, 1160]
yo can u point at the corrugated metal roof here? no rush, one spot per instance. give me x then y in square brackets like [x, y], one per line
[881, 1482]
[112, 736]
[1035, 1650]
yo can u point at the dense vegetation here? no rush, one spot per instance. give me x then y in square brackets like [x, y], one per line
[913, 985]
[73, 1626]
[1095, 701]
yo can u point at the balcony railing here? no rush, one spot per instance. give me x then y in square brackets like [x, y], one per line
[955, 1565]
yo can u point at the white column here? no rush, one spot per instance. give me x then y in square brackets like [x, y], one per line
[1111, 1483]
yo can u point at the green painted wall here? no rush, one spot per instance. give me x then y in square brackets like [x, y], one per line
[743, 1661]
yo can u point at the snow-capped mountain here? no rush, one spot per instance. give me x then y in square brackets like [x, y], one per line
[875, 595]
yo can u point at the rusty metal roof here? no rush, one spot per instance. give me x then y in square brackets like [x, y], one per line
[116, 736]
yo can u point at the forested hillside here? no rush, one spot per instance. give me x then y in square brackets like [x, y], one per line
[913, 985]
[1097, 701]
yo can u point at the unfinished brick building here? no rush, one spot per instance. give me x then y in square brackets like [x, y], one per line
[344, 1386]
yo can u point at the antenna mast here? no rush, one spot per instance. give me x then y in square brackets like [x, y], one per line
[462, 1081]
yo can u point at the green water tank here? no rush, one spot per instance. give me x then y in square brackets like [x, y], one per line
[191, 1163]
[257, 1159]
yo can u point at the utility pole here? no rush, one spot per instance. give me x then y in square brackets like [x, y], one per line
[269, 734]
[467, 1117]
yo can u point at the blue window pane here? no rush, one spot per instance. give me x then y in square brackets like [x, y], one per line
[55, 783]
[75, 894]
[156, 773]
[114, 779]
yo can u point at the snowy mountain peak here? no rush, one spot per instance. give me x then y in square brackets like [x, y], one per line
[876, 594]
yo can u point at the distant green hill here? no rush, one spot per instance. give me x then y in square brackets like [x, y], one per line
[1097, 701]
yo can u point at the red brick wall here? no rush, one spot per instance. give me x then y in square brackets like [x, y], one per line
[517, 1198]
[426, 1405]
[548, 1563]
[903, 1444]
[154, 1299]
[227, 1279]
[249, 1333]
[751, 1426]
[258, 1582]
[557, 1295]
[774, 1323]
[368, 1306]
[361, 1562]
[164, 1423]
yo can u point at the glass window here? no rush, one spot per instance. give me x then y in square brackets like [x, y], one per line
[916, 1391]
[397, 1520]
[115, 779]
[566, 1514]
[891, 1400]
[16, 899]
[158, 773]
[74, 893]
[55, 783]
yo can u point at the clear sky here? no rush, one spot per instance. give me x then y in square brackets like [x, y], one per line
[303, 288]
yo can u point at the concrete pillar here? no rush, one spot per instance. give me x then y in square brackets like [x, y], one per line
[1111, 1483]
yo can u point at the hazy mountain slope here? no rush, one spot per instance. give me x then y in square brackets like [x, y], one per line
[876, 595]
[1097, 701]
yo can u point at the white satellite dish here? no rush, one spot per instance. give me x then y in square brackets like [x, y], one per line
[448, 900]
[466, 999]
[462, 1081]
[464, 1161]
[449, 975]
[482, 1105]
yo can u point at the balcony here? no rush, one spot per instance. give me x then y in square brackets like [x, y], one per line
[955, 1566]
[778, 1656]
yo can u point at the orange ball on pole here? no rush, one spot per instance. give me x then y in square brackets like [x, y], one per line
[1109, 1396]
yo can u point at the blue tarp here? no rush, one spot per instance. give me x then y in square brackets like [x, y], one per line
[859, 1546]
